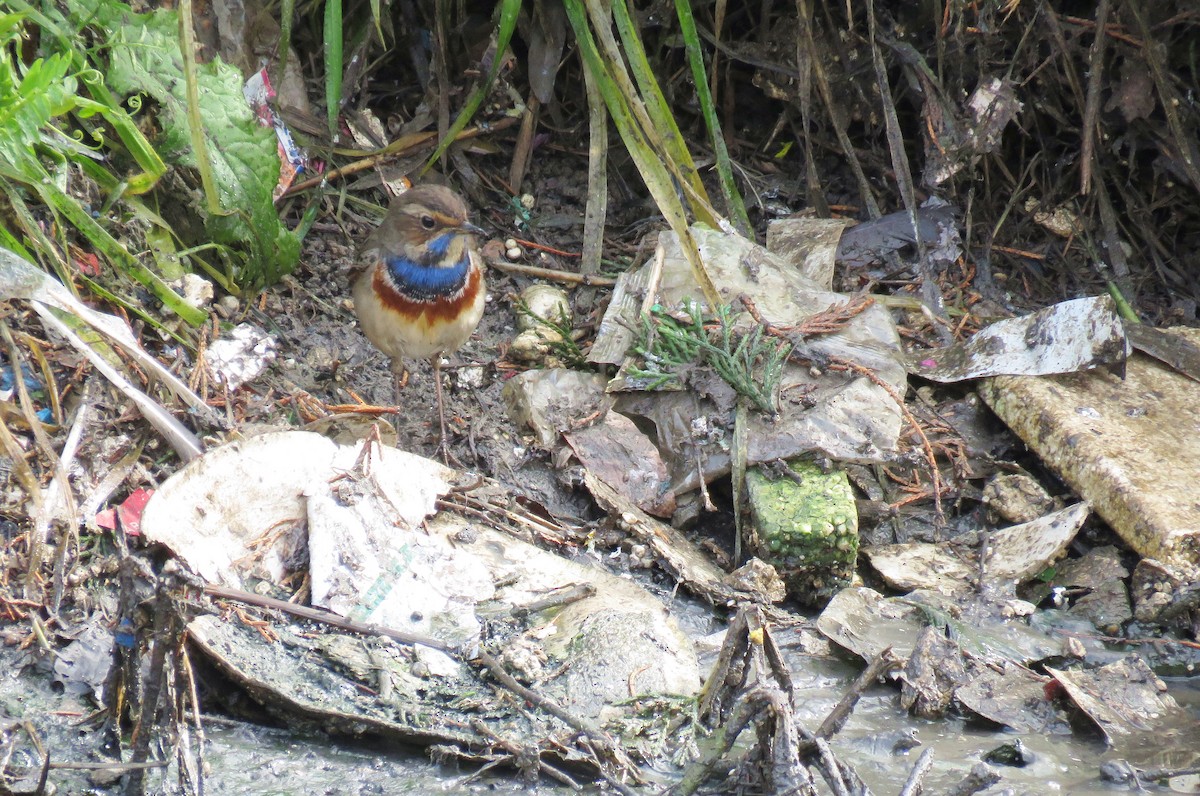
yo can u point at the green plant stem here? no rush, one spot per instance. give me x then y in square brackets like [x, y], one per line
[662, 129]
[187, 44]
[649, 159]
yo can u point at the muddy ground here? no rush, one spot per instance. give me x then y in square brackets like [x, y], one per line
[323, 353]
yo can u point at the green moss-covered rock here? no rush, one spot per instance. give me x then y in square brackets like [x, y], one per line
[807, 528]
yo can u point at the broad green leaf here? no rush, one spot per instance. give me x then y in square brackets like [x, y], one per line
[145, 57]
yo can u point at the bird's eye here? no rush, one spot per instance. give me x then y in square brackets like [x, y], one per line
[428, 222]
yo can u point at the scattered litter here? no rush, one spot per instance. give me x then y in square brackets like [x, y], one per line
[845, 416]
[371, 528]
[292, 161]
[966, 652]
[81, 667]
[616, 451]
[1068, 337]
[554, 400]
[238, 358]
[128, 515]
[1013, 554]
[960, 143]
[1107, 438]
[874, 243]
[1124, 699]
[20, 279]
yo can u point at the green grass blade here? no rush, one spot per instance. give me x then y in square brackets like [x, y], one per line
[112, 249]
[333, 64]
[691, 39]
[42, 248]
[377, 19]
[650, 164]
[659, 110]
[509, 10]
[674, 156]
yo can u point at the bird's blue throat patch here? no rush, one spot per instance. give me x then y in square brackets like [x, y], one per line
[422, 282]
[438, 246]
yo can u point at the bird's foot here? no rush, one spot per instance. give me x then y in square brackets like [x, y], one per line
[447, 456]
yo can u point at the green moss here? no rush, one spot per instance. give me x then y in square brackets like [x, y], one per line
[806, 528]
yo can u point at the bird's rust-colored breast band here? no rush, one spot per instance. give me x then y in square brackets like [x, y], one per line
[444, 309]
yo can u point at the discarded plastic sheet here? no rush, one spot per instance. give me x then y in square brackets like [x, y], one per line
[554, 400]
[809, 244]
[1014, 696]
[992, 661]
[128, 515]
[693, 445]
[1075, 335]
[259, 96]
[378, 554]
[962, 141]
[83, 665]
[934, 671]
[367, 569]
[619, 453]
[1013, 554]
[1127, 701]
[865, 622]
[218, 512]
[872, 242]
[1175, 350]
[844, 416]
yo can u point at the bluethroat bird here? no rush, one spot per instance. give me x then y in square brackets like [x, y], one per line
[419, 291]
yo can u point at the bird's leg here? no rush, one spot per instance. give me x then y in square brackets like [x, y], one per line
[399, 382]
[443, 441]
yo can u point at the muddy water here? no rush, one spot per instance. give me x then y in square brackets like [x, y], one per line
[246, 760]
[261, 762]
[881, 741]
[257, 761]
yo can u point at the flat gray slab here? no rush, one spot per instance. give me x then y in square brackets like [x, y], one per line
[1130, 447]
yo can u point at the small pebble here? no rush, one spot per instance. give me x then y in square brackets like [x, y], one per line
[470, 378]
[226, 306]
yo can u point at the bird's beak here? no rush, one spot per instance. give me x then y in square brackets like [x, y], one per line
[470, 229]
